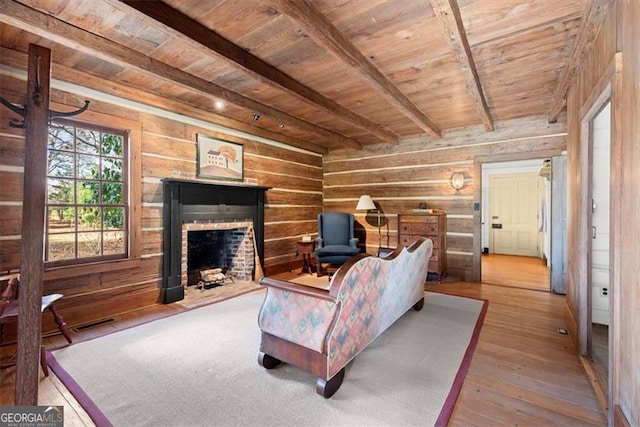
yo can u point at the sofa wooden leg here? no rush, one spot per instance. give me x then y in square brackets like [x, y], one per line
[326, 388]
[267, 361]
[418, 306]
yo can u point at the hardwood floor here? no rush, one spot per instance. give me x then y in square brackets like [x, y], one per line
[522, 373]
[600, 356]
[515, 271]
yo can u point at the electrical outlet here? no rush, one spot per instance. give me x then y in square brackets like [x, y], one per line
[604, 292]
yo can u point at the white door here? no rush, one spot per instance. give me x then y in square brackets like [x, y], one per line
[600, 217]
[513, 214]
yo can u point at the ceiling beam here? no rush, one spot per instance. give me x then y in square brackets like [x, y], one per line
[448, 13]
[594, 14]
[49, 27]
[236, 56]
[17, 60]
[318, 27]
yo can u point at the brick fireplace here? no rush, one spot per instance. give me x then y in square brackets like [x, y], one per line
[225, 245]
[199, 205]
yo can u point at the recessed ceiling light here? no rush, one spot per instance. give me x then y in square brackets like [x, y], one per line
[256, 117]
[219, 105]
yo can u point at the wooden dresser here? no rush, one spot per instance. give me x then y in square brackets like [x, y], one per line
[412, 225]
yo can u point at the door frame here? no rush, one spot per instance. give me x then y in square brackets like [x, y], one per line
[607, 89]
[478, 161]
[583, 275]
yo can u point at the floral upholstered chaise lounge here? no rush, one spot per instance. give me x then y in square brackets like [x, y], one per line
[322, 330]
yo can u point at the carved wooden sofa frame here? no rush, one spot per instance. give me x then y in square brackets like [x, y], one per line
[321, 330]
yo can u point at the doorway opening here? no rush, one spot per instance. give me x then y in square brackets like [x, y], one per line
[515, 224]
[598, 261]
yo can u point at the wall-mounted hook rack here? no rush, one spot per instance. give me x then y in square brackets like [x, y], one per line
[16, 109]
[21, 110]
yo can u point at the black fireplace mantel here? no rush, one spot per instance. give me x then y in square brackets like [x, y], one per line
[198, 201]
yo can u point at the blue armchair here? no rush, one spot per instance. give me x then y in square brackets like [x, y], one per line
[335, 243]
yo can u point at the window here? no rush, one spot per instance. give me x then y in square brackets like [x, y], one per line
[87, 194]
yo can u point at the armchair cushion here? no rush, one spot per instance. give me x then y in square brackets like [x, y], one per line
[330, 251]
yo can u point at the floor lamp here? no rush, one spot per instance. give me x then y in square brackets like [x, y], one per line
[366, 204]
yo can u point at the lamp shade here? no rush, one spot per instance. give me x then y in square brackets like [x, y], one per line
[365, 203]
[457, 180]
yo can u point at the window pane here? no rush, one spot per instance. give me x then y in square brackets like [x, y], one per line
[89, 244]
[61, 246]
[113, 218]
[89, 219]
[61, 220]
[60, 164]
[60, 191]
[88, 141]
[114, 243]
[112, 145]
[60, 137]
[111, 169]
[111, 193]
[88, 192]
[88, 166]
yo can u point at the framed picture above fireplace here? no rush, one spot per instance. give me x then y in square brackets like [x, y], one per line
[219, 159]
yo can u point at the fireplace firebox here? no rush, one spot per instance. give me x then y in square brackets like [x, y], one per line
[199, 205]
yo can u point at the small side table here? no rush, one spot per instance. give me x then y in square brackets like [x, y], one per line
[306, 249]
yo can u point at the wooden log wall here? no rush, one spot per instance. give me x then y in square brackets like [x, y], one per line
[588, 85]
[613, 60]
[166, 148]
[400, 177]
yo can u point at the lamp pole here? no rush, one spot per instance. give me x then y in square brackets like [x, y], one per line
[379, 230]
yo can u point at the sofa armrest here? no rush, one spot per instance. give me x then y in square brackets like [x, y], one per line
[300, 314]
[294, 287]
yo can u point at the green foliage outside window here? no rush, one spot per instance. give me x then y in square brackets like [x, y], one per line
[86, 192]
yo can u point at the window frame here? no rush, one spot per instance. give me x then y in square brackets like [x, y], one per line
[54, 269]
[76, 179]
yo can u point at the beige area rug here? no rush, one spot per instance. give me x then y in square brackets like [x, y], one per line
[312, 280]
[199, 368]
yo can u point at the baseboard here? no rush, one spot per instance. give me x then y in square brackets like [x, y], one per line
[600, 394]
[272, 270]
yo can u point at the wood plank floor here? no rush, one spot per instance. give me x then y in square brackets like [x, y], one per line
[523, 372]
[515, 271]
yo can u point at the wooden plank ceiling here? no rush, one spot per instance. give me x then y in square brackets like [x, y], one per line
[321, 74]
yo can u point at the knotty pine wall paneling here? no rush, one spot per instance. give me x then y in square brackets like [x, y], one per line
[418, 170]
[167, 150]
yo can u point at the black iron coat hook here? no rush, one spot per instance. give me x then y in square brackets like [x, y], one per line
[22, 110]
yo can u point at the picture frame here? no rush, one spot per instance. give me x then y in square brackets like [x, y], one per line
[219, 159]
